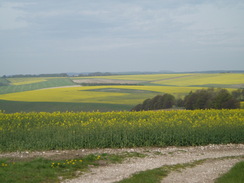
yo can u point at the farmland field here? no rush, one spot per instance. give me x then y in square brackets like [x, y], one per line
[96, 94]
[214, 80]
[33, 84]
[18, 106]
[69, 130]
[143, 78]
[124, 91]
[39, 114]
[208, 80]
[23, 81]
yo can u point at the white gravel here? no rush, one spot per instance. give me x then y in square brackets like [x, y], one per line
[158, 157]
[204, 173]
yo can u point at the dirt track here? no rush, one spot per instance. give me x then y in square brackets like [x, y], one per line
[158, 157]
[216, 162]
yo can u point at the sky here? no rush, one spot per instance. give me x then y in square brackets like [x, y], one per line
[60, 36]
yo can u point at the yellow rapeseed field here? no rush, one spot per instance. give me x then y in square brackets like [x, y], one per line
[23, 81]
[176, 84]
[206, 79]
[142, 77]
[66, 130]
[83, 94]
[181, 79]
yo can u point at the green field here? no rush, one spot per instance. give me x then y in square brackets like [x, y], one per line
[112, 93]
[18, 106]
[27, 84]
[234, 175]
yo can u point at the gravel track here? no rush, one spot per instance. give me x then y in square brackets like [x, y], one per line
[204, 173]
[158, 157]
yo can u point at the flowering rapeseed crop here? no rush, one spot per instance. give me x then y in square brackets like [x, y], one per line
[23, 81]
[91, 94]
[68, 130]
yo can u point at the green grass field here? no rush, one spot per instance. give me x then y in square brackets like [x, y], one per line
[34, 85]
[235, 175]
[26, 91]
[18, 106]
[4, 82]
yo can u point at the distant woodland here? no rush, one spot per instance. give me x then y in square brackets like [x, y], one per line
[201, 99]
[59, 75]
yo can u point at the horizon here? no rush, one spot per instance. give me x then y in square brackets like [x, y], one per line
[70, 74]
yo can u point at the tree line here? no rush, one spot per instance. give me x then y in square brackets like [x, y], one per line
[201, 99]
[97, 74]
[59, 75]
[36, 75]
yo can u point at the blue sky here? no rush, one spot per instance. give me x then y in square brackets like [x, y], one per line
[54, 36]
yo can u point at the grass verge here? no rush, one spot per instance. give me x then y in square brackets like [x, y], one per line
[236, 174]
[157, 174]
[45, 170]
